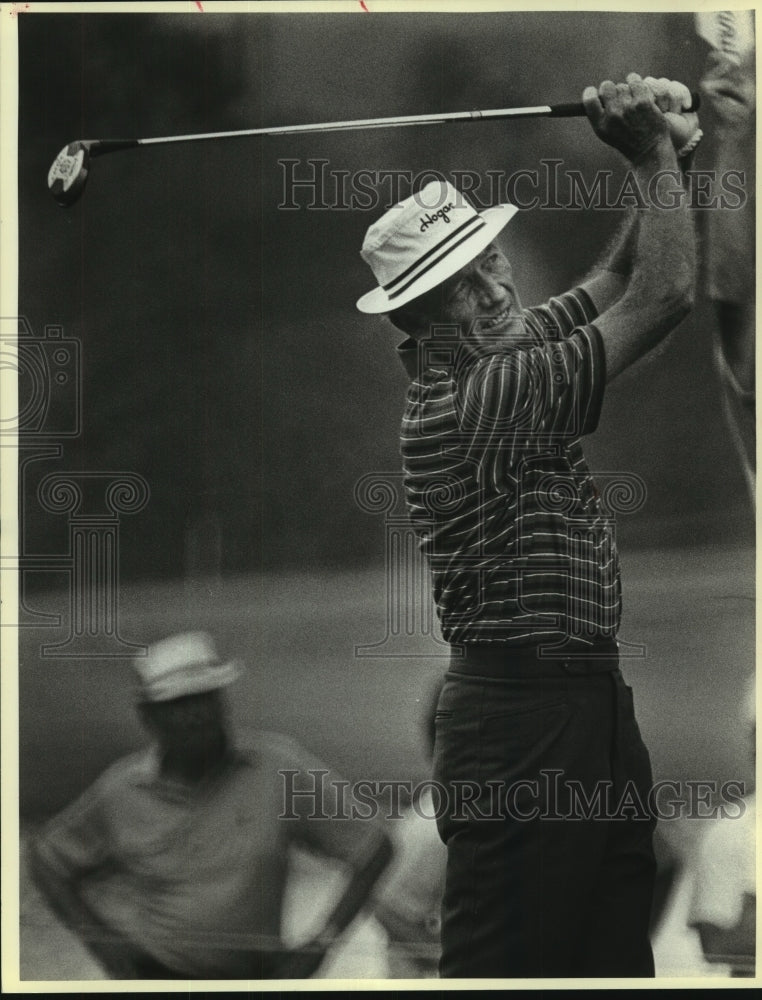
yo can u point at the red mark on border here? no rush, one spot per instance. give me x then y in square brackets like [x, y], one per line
[17, 8]
[362, 4]
[200, 6]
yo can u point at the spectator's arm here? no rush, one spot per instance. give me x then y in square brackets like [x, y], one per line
[304, 961]
[324, 825]
[365, 874]
[61, 892]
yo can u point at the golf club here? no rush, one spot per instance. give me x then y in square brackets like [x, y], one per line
[68, 174]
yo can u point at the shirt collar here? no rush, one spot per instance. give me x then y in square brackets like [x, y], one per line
[153, 779]
[408, 355]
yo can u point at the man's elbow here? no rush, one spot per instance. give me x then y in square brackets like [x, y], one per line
[384, 853]
[376, 863]
[47, 879]
[683, 306]
[679, 298]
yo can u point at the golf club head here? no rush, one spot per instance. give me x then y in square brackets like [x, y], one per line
[68, 174]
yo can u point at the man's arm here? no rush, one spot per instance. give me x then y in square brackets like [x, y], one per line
[608, 280]
[62, 896]
[730, 91]
[364, 876]
[306, 960]
[660, 290]
[360, 845]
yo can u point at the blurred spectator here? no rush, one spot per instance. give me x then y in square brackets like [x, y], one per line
[173, 864]
[716, 896]
[709, 925]
[409, 896]
[729, 89]
[721, 884]
[723, 900]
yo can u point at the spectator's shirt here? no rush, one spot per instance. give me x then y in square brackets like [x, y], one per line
[497, 486]
[195, 877]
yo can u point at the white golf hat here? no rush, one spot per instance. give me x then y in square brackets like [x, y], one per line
[180, 665]
[423, 240]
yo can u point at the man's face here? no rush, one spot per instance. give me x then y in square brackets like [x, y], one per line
[481, 299]
[192, 727]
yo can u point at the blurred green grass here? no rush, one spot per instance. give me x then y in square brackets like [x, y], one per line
[692, 609]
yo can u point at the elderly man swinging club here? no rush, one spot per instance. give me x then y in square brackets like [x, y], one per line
[523, 562]
[174, 862]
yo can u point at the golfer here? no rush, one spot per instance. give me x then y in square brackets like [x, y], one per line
[534, 721]
[173, 864]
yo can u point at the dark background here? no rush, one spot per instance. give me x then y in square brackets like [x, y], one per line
[222, 357]
[223, 360]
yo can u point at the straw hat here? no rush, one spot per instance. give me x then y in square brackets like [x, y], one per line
[422, 241]
[183, 664]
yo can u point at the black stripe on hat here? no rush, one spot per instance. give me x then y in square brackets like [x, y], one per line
[437, 246]
[433, 263]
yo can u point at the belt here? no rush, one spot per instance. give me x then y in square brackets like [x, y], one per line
[501, 660]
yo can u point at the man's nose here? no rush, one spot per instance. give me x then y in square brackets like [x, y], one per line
[491, 292]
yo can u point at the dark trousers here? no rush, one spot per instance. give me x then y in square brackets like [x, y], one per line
[550, 865]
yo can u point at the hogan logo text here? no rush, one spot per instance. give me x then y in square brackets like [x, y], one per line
[443, 213]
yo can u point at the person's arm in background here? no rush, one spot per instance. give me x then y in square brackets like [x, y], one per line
[660, 291]
[307, 959]
[59, 882]
[62, 896]
[361, 845]
[729, 89]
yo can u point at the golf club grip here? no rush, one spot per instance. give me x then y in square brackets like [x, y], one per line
[578, 110]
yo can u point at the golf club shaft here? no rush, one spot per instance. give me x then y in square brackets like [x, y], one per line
[574, 110]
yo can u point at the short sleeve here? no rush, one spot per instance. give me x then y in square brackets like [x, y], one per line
[321, 810]
[543, 393]
[74, 843]
[562, 314]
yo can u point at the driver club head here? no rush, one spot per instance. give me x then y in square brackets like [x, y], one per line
[68, 174]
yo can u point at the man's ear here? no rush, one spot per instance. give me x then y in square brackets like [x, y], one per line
[419, 324]
[143, 708]
[402, 319]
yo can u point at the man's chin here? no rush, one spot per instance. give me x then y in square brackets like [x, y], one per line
[510, 331]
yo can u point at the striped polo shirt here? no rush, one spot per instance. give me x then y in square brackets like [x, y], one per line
[497, 486]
